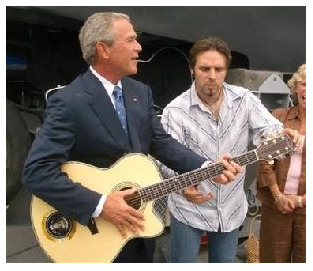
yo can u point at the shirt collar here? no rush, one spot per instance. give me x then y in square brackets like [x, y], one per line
[109, 87]
[294, 113]
[195, 100]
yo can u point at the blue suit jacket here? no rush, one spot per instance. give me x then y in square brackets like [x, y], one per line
[81, 124]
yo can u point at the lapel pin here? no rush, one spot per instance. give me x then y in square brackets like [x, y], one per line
[134, 99]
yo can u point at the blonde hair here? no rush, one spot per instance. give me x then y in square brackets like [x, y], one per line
[98, 27]
[297, 77]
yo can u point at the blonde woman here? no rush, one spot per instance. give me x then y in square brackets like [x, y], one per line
[282, 188]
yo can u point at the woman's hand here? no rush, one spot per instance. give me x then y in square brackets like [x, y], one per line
[285, 204]
[296, 198]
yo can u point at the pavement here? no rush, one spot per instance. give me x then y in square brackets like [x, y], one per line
[21, 242]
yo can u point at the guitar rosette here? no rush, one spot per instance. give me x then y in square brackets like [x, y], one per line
[58, 227]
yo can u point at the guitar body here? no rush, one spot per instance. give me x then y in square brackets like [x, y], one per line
[65, 240]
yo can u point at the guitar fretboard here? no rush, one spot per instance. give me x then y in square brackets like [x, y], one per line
[191, 178]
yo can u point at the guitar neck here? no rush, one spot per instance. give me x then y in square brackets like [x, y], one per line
[191, 178]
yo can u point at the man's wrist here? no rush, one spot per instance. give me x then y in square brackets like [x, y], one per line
[99, 207]
[205, 164]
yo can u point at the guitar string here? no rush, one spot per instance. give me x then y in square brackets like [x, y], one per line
[216, 169]
[152, 192]
[137, 199]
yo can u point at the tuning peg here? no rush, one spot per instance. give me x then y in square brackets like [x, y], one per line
[271, 162]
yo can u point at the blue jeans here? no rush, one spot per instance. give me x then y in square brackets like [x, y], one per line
[185, 244]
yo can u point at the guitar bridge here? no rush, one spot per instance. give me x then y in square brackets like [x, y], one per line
[92, 226]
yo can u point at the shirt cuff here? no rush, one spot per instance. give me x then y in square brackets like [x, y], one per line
[205, 164]
[99, 207]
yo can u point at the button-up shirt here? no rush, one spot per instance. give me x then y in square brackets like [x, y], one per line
[242, 118]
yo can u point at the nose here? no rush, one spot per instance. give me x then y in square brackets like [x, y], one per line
[138, 47]
[212, 74]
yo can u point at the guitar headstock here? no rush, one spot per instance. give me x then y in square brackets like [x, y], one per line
[275, 148]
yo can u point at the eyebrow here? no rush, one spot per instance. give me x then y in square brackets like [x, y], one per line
[210, 67]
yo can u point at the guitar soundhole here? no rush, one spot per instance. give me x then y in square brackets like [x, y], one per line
[58, 225]
[134, 201]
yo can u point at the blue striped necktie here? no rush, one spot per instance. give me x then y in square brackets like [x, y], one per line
[119, 106]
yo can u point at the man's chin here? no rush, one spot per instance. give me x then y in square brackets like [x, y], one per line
[210, 92]
[134, 71]
[131, 72]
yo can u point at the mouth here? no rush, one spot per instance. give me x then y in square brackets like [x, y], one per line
[135, 58]
[303, 97]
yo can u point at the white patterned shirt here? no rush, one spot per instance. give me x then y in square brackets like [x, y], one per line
[242, 118]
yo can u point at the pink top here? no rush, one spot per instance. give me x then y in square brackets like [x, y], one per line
[294, 172]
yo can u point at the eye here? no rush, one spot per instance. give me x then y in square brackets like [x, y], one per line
[132, 38]
[219, 69]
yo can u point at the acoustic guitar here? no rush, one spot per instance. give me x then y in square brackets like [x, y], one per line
[65, 240]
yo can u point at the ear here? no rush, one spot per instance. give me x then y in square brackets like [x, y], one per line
[191, 71]
[103, 49]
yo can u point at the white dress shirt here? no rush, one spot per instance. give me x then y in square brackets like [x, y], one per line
[108, 87]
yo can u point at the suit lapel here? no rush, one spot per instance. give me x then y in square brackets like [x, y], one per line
[133, 112]
[103, 108]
